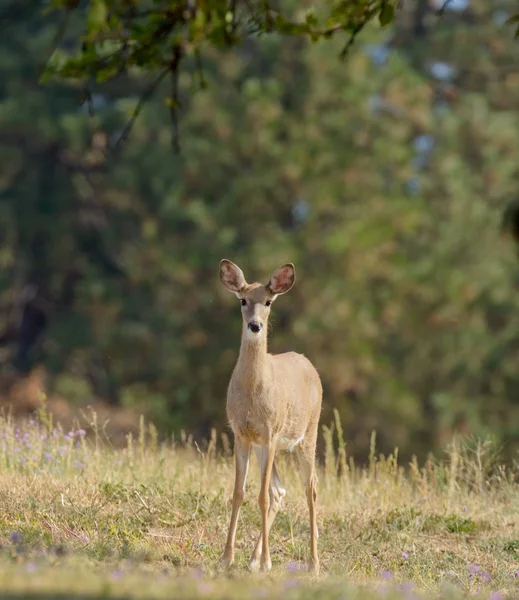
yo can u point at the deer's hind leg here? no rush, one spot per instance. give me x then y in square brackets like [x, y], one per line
[276, 494]
[306, 456]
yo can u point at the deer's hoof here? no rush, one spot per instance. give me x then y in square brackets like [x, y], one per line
[225, 562]
[254, 565]
[313, 567]
[266, 565]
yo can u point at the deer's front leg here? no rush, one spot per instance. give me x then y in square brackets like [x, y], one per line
[263, 501]
[276, 494]
[242, 455]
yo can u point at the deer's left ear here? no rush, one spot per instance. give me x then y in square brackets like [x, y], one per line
[282, 279]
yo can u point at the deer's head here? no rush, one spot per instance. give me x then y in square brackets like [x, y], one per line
[256, 299]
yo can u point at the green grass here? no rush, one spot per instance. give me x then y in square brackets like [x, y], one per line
[79, 518]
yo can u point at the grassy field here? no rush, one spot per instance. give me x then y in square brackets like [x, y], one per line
[82, 519]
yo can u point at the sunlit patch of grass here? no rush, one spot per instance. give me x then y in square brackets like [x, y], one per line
[80, 517]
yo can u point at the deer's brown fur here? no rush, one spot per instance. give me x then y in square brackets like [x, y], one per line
[273, 403]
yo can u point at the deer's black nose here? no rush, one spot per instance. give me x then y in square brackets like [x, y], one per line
[255, 327]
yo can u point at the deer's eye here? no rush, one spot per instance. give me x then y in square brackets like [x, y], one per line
[243, 302]
[268, 303]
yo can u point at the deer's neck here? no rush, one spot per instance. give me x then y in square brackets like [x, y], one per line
[253, 365]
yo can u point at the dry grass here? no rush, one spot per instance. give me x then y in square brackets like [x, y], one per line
[83, 519]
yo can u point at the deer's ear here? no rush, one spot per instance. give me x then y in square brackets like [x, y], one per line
[232, 276]
[282, 279]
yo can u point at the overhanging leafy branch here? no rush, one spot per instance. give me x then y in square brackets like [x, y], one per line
[123, 34]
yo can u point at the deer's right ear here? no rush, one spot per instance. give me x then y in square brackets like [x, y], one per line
[232, 276]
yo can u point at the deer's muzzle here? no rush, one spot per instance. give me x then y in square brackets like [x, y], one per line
[254, 326]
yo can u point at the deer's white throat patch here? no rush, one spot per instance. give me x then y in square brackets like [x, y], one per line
[254, 337]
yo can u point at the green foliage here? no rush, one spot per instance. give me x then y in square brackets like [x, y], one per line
[381, 181]
[514, 20]
[387, 14]
[143, 34]
[111, 38]
[456, 524]
[512, 547]
[118, 35]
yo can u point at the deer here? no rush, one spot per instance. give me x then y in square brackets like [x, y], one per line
[273, 403]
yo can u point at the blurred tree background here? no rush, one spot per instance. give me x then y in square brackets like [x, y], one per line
[383, 178]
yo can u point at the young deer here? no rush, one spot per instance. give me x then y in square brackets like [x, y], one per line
[273, 403]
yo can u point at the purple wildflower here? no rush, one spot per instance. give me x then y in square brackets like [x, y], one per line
[15, 537]
[293, 567]
[496, 596]
[486, 576]
[407, 589]
[117, 574]
[516, 573]
[81, 432]
[386, 575]
[405, 555]
[197, 574]
[477, 570]
[48, 456]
